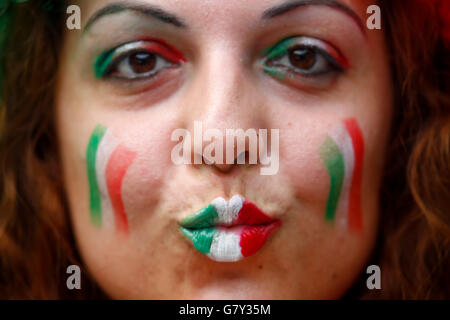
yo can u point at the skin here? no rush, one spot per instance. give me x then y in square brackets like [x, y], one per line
[223, 85]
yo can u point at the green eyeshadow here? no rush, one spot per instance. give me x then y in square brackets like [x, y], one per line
[278, 49]
[102, 63]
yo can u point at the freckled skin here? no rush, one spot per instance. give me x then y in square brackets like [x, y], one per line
[223, 85]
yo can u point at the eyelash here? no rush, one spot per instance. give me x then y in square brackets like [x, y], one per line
[110, 63]
[274, 59]
[276, 63]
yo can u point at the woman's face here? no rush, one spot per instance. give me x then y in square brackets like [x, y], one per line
[149, 227]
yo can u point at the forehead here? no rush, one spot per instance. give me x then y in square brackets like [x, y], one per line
[204, 12]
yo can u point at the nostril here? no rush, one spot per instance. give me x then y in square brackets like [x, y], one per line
[243, 158]
[223, 167]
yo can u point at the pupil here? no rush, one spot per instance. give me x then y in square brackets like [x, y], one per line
[142, 62]
[302, 58]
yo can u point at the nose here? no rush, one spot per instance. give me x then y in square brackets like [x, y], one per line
[224, 99]
[230, 149]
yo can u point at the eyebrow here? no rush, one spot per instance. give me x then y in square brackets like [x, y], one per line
[148, 10]
[291, 5]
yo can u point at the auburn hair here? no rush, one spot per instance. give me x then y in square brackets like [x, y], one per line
[36, 239]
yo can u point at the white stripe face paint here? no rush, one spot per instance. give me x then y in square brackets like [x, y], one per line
[234, 206]
[344, 142]
[228, 211]
[221, 206]
[105, 149]
[225, 246]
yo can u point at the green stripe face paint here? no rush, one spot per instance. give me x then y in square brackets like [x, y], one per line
[275, 72]
[332, 157]
[202, 218]
[274, 52]
[91, 160]
[202, 235]
[278, 49]
[201, 238]
[102, 63]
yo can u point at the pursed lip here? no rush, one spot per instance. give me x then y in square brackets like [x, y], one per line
[237, 211]
[229, 231]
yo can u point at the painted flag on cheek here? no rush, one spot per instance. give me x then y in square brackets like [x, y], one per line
[107, 164]
[342, 153]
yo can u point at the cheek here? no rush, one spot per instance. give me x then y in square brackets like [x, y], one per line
[143, 187]
[300, 160]
[145, 179]
[126, 170]
[326, 170]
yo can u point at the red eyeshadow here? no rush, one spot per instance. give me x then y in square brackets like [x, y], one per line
[164, 49]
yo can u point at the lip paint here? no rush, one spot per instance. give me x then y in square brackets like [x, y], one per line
[229, 231]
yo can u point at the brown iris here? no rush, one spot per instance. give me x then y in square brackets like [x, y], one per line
[142, 62]
[302, 57]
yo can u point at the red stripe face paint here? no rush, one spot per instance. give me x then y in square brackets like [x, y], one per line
[108, 162]
[116, 169]
[342, 153]
[253, 238]
[355, 214]
[229, 231]
[167, 51]
[250, 214]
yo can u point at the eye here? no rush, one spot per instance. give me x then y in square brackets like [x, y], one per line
[305, 60]
[136, 60]
[302, 56]
[140, 64]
